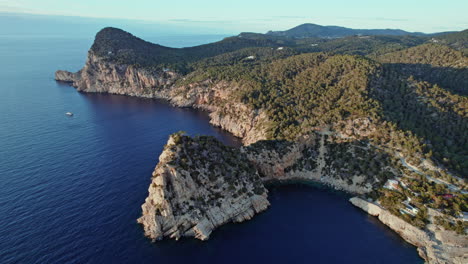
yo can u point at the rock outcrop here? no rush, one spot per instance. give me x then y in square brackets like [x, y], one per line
[198, 185]
[309, 160]
[64, 76]
[434, 245]
[102, 76]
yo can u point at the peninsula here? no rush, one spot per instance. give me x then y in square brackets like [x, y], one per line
[383, 117]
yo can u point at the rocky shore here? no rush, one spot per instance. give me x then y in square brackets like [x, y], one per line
[434, 245]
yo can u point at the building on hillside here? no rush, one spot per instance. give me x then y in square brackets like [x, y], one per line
[465, 216]
[392, 185]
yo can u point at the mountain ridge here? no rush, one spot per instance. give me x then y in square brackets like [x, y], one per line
[308, 30]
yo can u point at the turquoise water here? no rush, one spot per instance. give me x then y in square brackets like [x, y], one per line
[71, 188]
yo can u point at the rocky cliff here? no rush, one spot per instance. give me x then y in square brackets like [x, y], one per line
[101, 76]
[198, 185]
[310, 160]
[434, 245]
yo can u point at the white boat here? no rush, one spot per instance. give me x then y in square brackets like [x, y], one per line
[69, 113]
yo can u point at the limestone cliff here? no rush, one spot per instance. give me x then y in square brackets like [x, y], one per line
[198, 185]
[99, 75]
[314, 158]
[102, 76]
[434, 245]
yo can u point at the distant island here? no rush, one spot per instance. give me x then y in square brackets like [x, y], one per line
[381, 114]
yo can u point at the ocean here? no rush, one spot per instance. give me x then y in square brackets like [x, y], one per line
[71, 187]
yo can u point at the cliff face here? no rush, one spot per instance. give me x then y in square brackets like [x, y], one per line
[309, 159]
[434, 245]
[198, 185]
[216, 98]
[101, 76]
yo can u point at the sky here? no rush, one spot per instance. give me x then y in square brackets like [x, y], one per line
[230, 17]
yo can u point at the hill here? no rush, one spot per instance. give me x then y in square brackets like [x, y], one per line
[318, 31]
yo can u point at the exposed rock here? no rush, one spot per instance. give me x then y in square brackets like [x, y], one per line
[101, 76]
[435, 246]
[64, 76]
[306, 160]
[198, 185]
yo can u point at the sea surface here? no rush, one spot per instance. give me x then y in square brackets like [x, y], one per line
[71, 187]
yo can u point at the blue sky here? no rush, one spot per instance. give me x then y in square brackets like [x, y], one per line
[262, 15]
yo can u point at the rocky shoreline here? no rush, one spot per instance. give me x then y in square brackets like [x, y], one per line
[434, 245]
[178, 205]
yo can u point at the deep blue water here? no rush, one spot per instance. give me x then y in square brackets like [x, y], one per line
[71, 188]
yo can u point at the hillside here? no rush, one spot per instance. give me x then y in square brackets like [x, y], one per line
[456, 40]
[118, 46]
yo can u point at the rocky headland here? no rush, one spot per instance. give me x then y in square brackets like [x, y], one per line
[198, 185]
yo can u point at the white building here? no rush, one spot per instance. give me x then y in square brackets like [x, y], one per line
[409, 209]
[392, 185]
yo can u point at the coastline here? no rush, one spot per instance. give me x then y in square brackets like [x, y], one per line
[136, 83]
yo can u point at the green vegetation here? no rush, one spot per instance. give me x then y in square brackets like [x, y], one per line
[457, 40]
[393, 201]
[457, 226]
[435, 196]
[304, 92]
[208, 160]
[348, 159]
[121, 47]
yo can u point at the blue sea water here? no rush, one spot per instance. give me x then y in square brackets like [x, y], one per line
[71, 188]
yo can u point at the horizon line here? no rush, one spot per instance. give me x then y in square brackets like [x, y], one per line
[175, 22]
